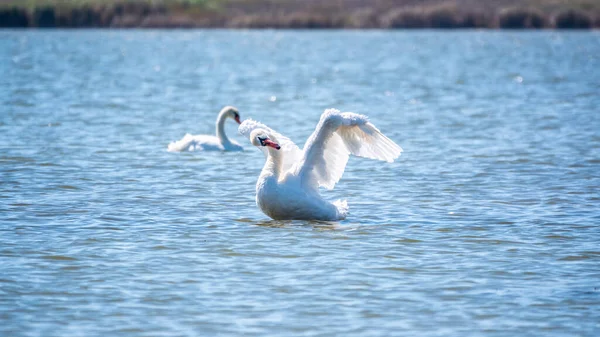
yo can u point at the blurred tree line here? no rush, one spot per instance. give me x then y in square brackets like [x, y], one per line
[447, 14]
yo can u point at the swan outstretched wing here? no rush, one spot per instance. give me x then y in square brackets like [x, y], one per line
[336, 137]
[292, 152]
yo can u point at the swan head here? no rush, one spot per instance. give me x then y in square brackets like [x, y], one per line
[261, 138]
[231, 112]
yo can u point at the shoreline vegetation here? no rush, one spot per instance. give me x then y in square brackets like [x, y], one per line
[302, 14]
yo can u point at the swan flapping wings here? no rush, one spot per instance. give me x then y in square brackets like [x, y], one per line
[338, 135]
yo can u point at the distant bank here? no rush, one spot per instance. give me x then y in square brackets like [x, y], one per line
[298, 14]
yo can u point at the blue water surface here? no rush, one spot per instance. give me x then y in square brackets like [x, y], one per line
[487, 225]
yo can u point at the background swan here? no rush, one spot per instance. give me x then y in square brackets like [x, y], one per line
[288, 186]
[220, 142]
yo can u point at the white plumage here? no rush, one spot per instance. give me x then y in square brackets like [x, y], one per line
[219, 142]
[288, 185]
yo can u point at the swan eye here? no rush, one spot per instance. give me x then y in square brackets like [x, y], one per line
[262, 140]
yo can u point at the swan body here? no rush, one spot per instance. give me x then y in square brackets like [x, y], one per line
[220, 142]
[288, 185]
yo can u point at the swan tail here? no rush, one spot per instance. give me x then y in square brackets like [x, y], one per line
[342, 208]
[182, 145]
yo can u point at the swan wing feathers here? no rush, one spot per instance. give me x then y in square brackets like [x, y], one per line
[291, 150]
[336, 137]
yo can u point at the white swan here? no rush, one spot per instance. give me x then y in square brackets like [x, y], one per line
[288, 186]
[220, 142]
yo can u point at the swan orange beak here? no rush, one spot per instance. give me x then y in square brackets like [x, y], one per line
[272, 144]
[237, 119]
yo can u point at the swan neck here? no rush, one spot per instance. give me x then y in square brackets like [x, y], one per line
[273, 164]
[221, 127]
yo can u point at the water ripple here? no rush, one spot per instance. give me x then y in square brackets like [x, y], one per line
[487, 225]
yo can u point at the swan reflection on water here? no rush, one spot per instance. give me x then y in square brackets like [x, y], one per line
[315, 224]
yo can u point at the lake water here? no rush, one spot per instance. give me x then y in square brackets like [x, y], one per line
[487, 225]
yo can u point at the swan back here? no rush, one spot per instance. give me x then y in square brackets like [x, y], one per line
[218, 142]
